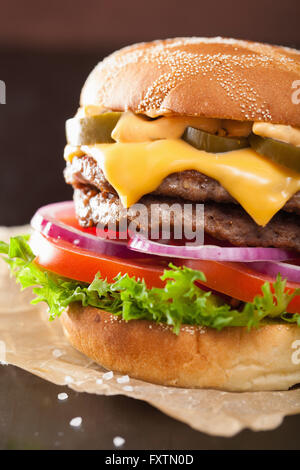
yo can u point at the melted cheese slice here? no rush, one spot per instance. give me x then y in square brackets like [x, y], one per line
[135, 169]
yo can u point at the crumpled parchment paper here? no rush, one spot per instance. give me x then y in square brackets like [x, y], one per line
[28, 340]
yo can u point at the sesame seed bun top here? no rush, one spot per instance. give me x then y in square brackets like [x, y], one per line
[212, 77]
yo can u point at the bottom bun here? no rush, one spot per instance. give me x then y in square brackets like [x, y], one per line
[233, 359]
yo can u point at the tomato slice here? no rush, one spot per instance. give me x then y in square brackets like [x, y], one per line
[63, 259]
[239, 281]
[232, 279]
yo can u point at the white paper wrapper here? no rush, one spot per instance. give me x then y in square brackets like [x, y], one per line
[28, 340]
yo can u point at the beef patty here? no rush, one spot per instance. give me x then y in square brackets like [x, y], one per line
[222, 221]
[96, 201]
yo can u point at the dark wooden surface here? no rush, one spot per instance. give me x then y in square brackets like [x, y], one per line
[32, 417]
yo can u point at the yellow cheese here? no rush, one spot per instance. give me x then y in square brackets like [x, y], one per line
[135, 169]
[287, 134]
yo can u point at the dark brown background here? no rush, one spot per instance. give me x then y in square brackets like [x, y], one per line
[47, 48]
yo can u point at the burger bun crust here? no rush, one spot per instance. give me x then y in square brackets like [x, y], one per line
[210, 77]
[233, 359]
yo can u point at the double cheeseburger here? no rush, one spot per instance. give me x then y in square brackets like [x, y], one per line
[184, 122]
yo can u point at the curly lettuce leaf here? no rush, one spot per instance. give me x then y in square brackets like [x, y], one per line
[180, 301]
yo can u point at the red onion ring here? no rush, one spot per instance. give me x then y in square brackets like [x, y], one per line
[209, 252]
[45, 222]
[291, 272]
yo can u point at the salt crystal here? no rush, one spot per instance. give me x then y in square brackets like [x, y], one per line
[123, 380]
[57, 353]
[118, 441]
[76, 422]
[68, 379]
[128, 388]
[62, 396]
[108, 375]
[99, 381]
